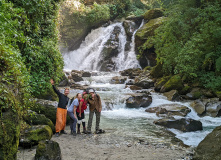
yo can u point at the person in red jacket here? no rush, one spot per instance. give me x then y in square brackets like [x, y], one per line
[80, 114]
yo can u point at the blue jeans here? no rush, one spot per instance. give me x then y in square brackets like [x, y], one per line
[73, 122]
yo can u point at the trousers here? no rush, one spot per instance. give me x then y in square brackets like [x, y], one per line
[73, 122]
[91, 115]
[61, 116]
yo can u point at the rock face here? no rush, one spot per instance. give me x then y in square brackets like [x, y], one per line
[38, 119]
[129, 27]
[210, 147]
[169, 110]
[185, 125]
[118, 80]
[48, 150]
[142, 35]
[139, 101]
[110, 50]
[76, 76]
[35, 134]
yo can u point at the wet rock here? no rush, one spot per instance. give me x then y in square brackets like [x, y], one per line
[118, 80]
[199, 107]
[132, 73]
[174, 83]
[64, 83]
[86, 74]
[144, 82]
[218, 94]
[48, 150]
[76, 77]
[130, 82]
[153, 13]
[32, 118]
[213, 109]
[35, 134]
[185, 125]
[209, 148]
[194, 94]
[172, 95]
[133, 87]
[78, 86]
[139, 101]
[129, 27]
[169, 110]
[136, 19]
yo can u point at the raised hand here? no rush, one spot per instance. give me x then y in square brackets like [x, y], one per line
[52, 81]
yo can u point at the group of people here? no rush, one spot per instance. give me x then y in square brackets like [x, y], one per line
[75, 111]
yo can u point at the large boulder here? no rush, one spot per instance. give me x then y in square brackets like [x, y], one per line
[77, 77]
[32, 118]
[86, 74]
[174, 83]
[34, 134]
[185, 125]
[153, 13]
[143, 40]
[139, 101]
[131, 73]
[199, 107]
[48, 150]
[209, 147]
[194, 94]
[118, 80]
[160, 82]
[169, 110]
[144, 82]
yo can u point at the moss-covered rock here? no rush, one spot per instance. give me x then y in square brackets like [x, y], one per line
[160, 82]
[129, 27]
[34, 134]
[48, 150]
[172, 95]
[9, 133]
[218, 94]
[174, 83]
[195, 93]
[153, 13]
[32, 118]
[185, 90]
[210, 147]
[157, 71]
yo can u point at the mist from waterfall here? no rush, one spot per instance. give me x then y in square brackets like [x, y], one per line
[89, 54]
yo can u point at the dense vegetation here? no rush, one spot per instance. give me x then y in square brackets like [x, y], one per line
[189, 43]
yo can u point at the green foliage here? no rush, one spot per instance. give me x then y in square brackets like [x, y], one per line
[189, 43]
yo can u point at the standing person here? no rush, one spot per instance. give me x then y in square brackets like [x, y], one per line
[95, 106]
[72, 113]
[80, 114]
[61, 114]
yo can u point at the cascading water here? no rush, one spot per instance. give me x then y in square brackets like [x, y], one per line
[88, 56]
[129, 122]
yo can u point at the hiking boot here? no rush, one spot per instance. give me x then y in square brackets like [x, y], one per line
[78, 132]
[74, 134]
[63, 132]
[57, 134]
[88, 132]
[84, 131]
[99, 131]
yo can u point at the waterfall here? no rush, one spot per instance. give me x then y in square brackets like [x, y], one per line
[89, 55]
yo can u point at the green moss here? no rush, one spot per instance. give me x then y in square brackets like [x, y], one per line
[157, 71]
[218, 94]
[185, 90]
[197, 95]
[174, 83]
[153, 13]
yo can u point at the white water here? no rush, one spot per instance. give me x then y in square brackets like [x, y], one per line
[135, 122]
[88, 55]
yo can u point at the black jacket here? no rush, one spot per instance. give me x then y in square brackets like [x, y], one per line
[63, 100]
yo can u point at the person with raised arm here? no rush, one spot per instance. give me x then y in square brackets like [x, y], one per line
[61, 114]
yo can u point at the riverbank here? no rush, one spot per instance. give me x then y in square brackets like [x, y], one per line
[110, 146]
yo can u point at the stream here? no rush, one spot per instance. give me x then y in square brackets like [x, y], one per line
[115, 115]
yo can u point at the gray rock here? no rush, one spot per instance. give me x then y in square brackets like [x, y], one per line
[199, 107]
[213, 109]
[118, 80]
[86, 74]
[209, 147]
[172, 95]
[139, 101]
[48, 150]
[185, 125]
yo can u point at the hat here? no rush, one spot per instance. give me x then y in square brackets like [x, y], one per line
[91, 90]
[84, 93]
